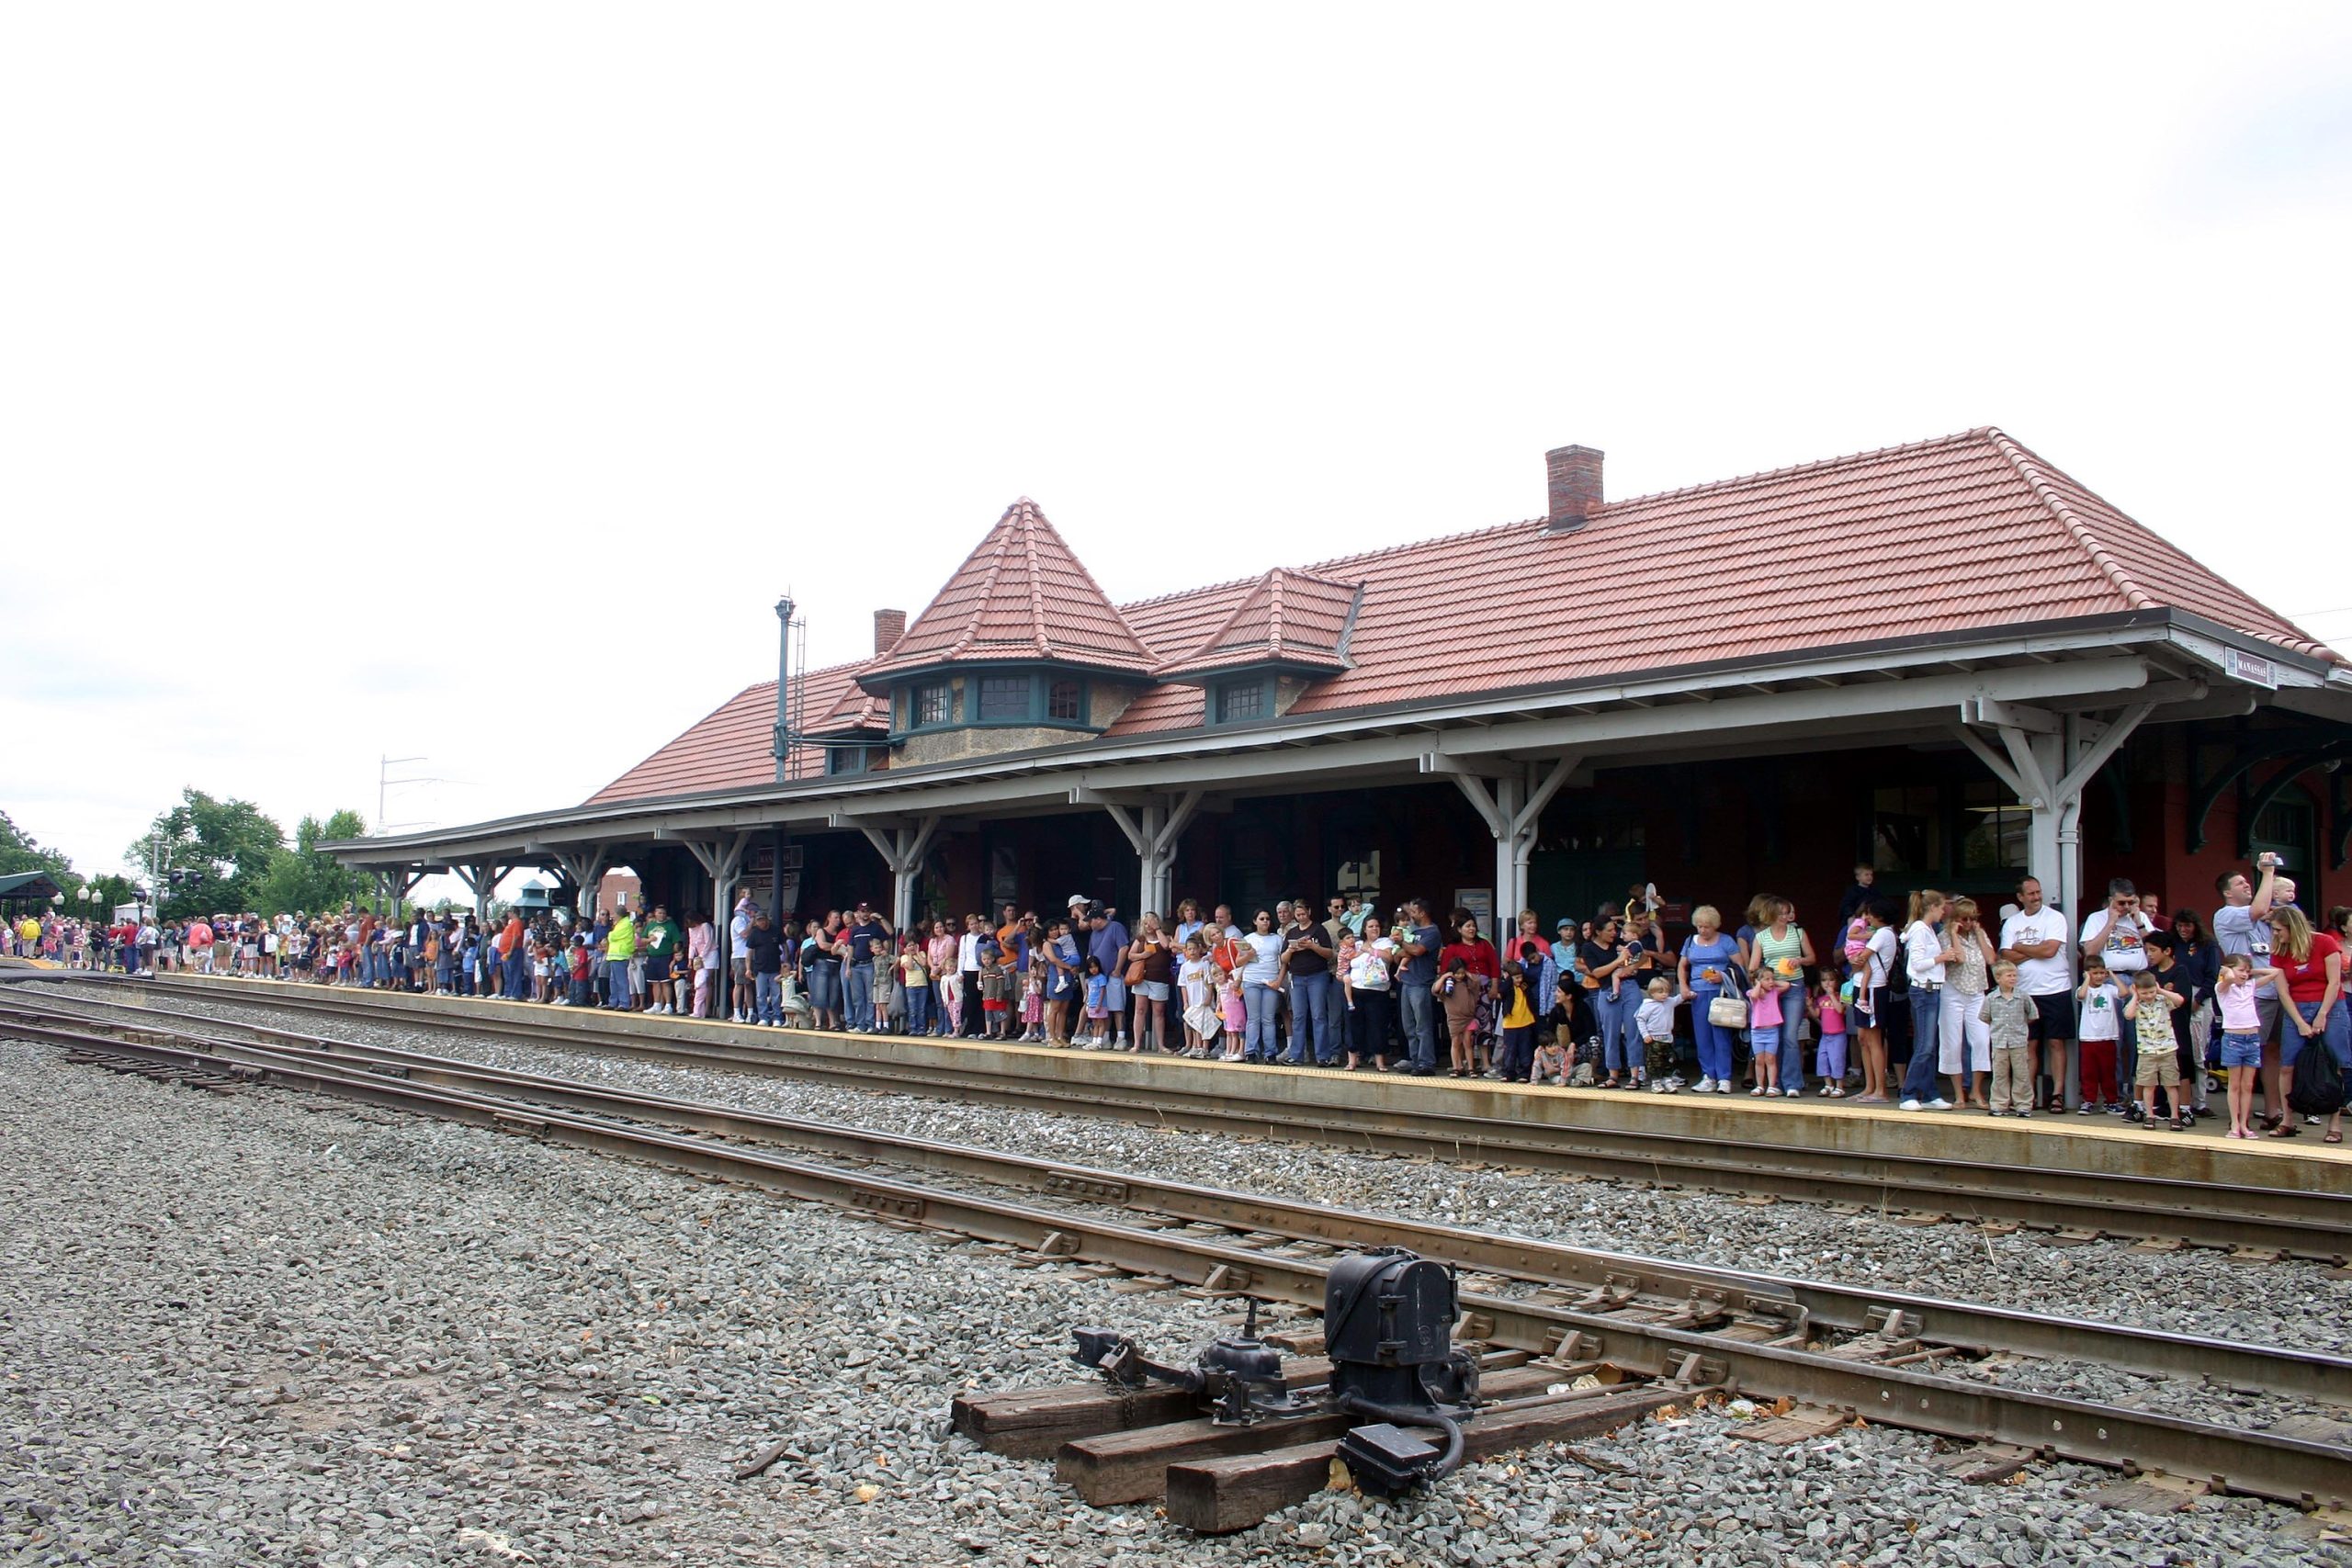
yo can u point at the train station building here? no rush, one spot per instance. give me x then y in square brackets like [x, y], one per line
[1950, 659]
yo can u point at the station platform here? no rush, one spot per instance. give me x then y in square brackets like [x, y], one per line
[2097, 1144]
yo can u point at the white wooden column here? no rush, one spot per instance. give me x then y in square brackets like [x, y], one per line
[2047, 759]
[1512, 809]
[903, 848]
[584, 867]
[1154, 826]
[481, 879]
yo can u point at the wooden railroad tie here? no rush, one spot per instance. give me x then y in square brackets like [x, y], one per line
[1218, 1496]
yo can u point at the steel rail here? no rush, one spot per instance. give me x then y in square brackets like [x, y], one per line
[1854, 1310]
[2316, 1224]
[2286, 1470]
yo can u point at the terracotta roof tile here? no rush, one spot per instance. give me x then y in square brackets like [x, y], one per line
[1286, 617]
[1965, 533]
[732, 747]
[1020, 594]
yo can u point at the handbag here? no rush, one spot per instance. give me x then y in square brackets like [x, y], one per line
[1727, 1009]
[1135, 973]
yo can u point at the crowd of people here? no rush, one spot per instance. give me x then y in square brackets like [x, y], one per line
[1929, 1004]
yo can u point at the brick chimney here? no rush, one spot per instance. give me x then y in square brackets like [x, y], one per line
[1575, 476]
[889, 626]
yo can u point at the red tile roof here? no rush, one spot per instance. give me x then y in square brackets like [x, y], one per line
[1287, 618]
[1020, 594]
[734, 746]
[1967, 533]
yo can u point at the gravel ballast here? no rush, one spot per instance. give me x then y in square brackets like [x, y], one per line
[2193, 1290]
[275, 1328]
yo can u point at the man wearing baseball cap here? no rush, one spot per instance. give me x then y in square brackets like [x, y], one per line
[866, 929]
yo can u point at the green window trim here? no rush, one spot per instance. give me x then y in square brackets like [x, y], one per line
[993, 698]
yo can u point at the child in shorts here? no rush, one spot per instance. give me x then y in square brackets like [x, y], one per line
[996, 994]
[1655, 1022]
[885, 997]
[1827, 1009]
[1765, 1011]
[2149, 1009]
[2234, 990]
[1098, 1006]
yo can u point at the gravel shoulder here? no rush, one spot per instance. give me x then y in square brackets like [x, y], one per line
[270, 1328]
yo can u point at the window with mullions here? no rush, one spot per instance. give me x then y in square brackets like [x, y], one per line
[933, 704]
[1238, 700]
[1934, 833]
[1908, 831]
[1004, 697]
[1065, 702]
[1994, 828]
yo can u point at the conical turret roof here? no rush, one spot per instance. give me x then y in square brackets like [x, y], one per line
[1022, 594]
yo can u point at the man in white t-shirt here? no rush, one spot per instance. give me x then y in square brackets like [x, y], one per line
[2117, 932]
[2034, 939]
[738, 931]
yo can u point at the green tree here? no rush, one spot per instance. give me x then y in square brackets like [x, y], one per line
[230, 842]
[302, 878]
[19, 851]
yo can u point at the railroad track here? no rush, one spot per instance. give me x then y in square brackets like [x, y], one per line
[1574, 1308]
[2076, 1203]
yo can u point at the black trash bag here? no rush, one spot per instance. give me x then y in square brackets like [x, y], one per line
[2319, 1081]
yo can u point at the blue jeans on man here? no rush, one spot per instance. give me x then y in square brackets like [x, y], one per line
[518, 974]
[1418, 1010]
[768, 1004]
[617, 979]
[857, 1004]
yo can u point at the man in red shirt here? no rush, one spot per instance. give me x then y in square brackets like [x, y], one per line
[512, 952]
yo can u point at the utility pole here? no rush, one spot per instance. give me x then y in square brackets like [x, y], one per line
[782, 686]
[384, 783]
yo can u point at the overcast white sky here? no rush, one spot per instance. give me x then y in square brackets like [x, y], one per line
[467, 381]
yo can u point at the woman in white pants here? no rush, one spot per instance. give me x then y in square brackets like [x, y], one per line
[1964, 1046]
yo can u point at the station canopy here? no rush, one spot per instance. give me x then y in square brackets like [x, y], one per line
[28, 888]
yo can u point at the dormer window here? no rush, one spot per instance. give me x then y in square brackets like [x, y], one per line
[1065, 702]
[1238, 700]
[933, 703]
